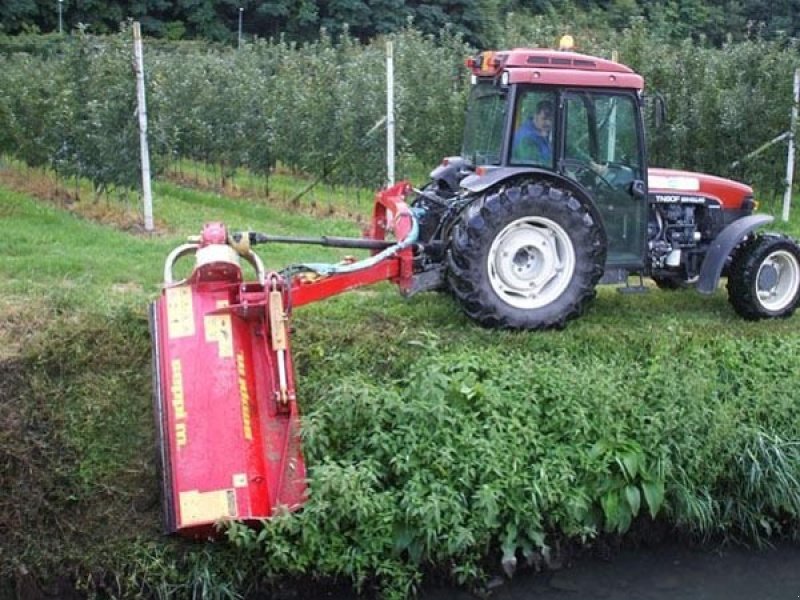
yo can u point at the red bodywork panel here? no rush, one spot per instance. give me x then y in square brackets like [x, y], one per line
[226, 412]
[669, 182]
[553, 67]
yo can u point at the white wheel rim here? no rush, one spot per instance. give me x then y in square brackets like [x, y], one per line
[531, 262]
[778, 280]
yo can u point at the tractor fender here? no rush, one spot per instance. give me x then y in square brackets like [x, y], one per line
[452, 170]
[491, 176]
[494, 176]
[721, 248]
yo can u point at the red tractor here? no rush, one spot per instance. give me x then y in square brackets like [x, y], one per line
[522, 233]
[550, 197]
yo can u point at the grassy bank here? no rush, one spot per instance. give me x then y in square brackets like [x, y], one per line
[433, 445]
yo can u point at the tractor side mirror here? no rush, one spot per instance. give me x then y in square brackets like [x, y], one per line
[659, 109]
[638, 189]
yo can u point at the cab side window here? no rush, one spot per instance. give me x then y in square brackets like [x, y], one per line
[532, 142]
[601, 128]
[601, 153]
[578, 138]
[616, 131]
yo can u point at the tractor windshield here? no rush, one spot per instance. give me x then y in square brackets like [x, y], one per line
[483, 130]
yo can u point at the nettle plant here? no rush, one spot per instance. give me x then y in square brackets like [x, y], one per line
[459, 458]
[627, 481]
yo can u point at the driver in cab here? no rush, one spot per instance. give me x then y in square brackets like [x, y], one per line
[533, 140]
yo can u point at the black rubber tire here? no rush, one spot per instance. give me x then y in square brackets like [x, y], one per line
[472, 237]
[744, 271]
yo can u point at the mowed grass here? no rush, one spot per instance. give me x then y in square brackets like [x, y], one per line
[673, 378]
[56, 253]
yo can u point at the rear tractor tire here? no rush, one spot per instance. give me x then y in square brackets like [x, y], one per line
[764, 278]
[526, 257]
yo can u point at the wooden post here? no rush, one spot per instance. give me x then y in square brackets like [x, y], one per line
[147, 194]
[787, 194]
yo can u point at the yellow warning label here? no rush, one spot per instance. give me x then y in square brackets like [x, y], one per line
[180, 313]
[218, 329]
[244, 395]
[207, 507]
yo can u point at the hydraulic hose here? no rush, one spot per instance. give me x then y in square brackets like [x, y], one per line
[332, 269]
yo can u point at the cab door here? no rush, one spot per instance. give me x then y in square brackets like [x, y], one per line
[603, 150]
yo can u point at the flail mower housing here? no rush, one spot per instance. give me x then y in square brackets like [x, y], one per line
[226, 410]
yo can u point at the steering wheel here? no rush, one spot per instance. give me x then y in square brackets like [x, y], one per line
[620, 174]
[585, 175]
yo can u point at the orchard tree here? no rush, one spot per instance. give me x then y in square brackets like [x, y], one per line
[17, 14]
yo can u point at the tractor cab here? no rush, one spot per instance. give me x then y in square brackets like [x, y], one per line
[575, 117]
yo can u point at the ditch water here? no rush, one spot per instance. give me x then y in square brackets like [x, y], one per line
[666, 572]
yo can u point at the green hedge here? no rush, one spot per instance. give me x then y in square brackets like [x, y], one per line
[306, 107]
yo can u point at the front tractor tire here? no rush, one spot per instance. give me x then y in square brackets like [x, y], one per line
[764, 278]
[526, 257]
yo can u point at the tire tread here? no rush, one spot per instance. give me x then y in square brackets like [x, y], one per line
[743, 271]
[482, 220]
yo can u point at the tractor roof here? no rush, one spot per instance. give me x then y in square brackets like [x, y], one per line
[554, 67]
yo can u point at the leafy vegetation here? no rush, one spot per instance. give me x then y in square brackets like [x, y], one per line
[433, 446]
[313, 108]
[309, 108]
[716, 20]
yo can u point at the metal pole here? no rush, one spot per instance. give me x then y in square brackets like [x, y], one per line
[147, 194]
[611, 145]
[241, 10]
[390, 112]
[60, 20]
[787, 194]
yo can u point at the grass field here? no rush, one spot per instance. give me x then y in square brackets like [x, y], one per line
[434, 446]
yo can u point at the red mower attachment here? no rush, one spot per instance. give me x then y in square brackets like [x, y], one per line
[227, 420]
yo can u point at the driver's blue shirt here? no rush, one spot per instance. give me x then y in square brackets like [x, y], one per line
[530, 145]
